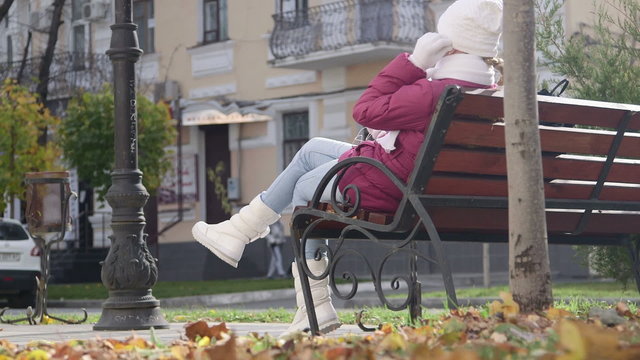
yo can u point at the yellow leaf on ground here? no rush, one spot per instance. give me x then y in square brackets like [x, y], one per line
[508, 307]
[179, 352]
[571, 341]
[37, 354]
[204, 341]
[556, 314]
[139, 343]
[393, 342]
[386, 328]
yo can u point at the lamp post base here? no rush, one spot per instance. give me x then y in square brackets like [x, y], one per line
[131, 310]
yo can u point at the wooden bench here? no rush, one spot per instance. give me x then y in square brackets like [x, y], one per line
[458, 189]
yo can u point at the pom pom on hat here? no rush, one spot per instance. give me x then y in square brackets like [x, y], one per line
[474, 26]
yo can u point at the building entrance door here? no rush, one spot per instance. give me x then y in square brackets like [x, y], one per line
[217, 170]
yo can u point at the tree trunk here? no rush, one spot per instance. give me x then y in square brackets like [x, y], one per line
[47, 59]
[529, 273]
[25, 55]
[4, 8]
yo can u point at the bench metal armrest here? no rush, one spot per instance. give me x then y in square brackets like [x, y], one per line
[338, 171]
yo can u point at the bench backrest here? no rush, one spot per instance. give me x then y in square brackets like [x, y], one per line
[591, 175]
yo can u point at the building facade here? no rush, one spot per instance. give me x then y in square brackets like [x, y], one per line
[249, 81]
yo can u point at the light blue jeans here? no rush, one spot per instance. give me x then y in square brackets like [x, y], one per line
[298, 181]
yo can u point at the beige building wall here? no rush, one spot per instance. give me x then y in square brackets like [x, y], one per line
[248, 76]
[239, 70]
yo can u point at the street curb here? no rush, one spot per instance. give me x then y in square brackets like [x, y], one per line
[360, 300]
[193, 301]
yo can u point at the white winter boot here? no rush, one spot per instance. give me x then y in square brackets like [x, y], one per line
[325, 313]
[228, 238]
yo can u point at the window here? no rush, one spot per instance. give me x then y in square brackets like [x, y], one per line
[9, 49]
[76, 9]
[214, 21]
[295, 133]
[9, 231]
[292, 5]
[293, 13]
[143, 17]
[79, 50]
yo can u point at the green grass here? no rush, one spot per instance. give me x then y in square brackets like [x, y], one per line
[372, 315]
[560, 290]
[169, 289]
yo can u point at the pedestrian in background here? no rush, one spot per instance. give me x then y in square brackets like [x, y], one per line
[275, 239]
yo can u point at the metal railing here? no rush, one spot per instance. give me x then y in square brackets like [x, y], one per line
[349, 22]
[69, 73]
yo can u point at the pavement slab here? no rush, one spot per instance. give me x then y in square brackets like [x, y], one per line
[23, 334]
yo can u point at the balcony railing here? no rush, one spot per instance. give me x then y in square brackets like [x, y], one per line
[346, 23]
[69, 73]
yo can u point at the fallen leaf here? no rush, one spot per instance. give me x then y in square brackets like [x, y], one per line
[556, 314]
[571, 341]
[338, 353]
[226, 350]
[204, 341]
[498, 337]
[180, 352]
[202, 329]
[393, 342]
[623, 310]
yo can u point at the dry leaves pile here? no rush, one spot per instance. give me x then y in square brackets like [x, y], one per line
[468, 335]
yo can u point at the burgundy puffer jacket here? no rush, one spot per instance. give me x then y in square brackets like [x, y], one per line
[398, 98]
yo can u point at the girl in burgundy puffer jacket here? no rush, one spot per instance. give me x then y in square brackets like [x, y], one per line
[396, 107]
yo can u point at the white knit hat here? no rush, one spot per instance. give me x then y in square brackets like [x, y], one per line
[474, 26]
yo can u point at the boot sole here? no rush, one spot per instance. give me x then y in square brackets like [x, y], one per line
[329, 328]
[202, 239]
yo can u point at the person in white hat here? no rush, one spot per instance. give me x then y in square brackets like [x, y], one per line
[399, 102]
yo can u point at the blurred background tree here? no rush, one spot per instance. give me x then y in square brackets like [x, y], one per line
[87, 139]
[602, 62]
[22, 117]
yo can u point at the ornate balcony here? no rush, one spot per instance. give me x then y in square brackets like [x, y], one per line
[348, 32]
[69, 73]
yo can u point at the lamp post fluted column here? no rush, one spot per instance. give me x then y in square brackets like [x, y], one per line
[129, 271]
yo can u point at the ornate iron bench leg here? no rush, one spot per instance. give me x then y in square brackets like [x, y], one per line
[304, 281]
[633, 245]
[415, 306]
[447, 279]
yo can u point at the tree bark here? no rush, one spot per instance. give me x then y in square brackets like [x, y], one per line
[4, 8]
[25, 55]
[529, 273]
[47, 59]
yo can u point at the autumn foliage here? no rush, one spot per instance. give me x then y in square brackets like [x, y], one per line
[502, 332]
[23, 122]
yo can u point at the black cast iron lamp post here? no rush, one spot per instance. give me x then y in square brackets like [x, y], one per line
[47, 213]
[129, 271]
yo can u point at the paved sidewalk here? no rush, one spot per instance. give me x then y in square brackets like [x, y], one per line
[23, 334]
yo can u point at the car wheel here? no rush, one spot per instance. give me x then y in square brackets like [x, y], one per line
[23, 300]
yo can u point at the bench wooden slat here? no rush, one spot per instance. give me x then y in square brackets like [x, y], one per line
[552, 139]
[479, 186]
[460, 180]
[496, 220]
[553, 109]
[479, 162]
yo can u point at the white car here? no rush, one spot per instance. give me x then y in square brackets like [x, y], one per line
[19, 264]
